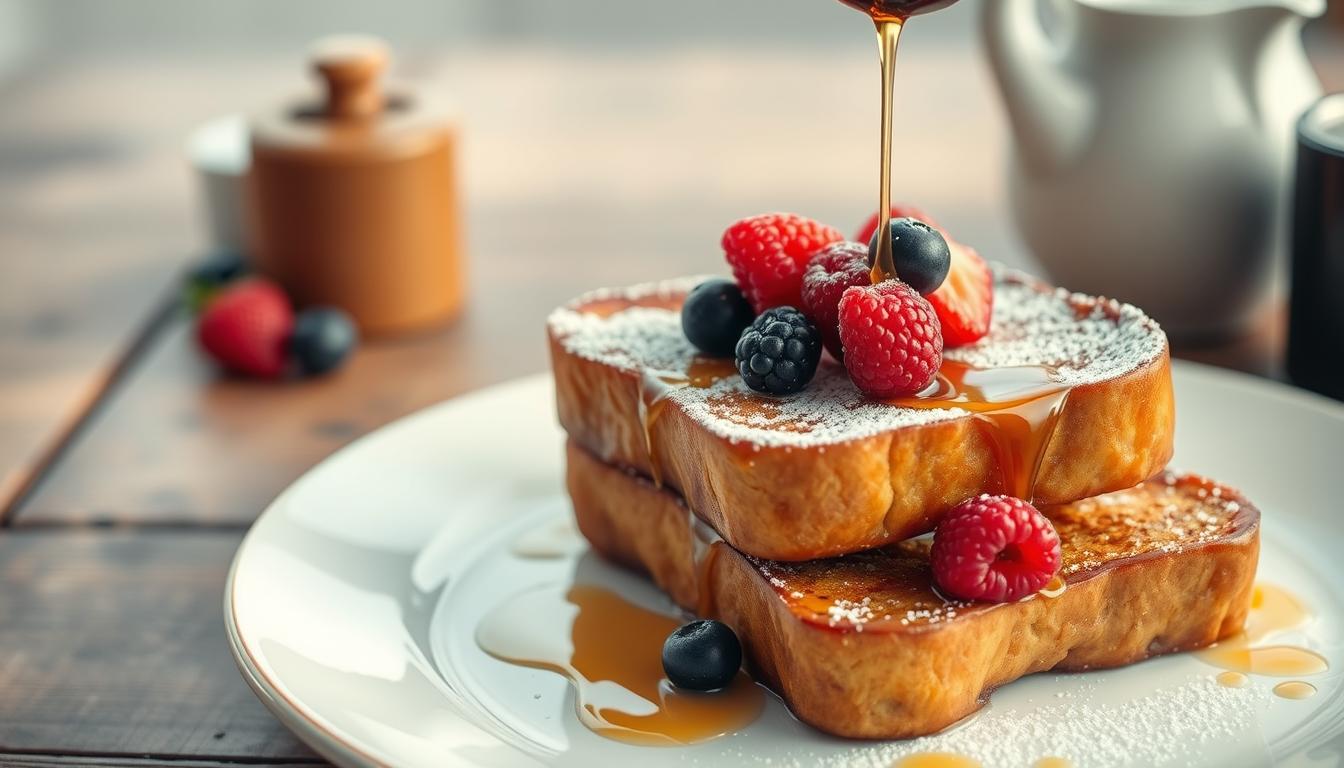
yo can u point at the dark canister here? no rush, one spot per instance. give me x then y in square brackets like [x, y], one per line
[1316, 324]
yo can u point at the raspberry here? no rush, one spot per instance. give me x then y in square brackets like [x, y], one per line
[994, 548]
[893, 345]
[246, 327]
[828, 274]
[778, 354]
[768, 254]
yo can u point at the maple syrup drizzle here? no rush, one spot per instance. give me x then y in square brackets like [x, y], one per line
[1273, 609]
[888, 39]
[655, 387]
[1019, 407]
[611, 652]
[1294, 689]
[1053, 762]
[936, 760]
[1053, 588]
[706, 544]
[1230, 679]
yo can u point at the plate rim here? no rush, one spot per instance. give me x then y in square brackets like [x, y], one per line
[330, 745]
[290, 712]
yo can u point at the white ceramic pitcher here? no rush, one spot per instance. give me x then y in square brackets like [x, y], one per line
[1153, 145]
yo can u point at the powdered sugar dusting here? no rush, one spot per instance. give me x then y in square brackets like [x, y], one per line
[1087, 339]
[1084, 339]
[1170, 725]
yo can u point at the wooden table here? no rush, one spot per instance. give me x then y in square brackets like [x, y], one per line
[130, 468]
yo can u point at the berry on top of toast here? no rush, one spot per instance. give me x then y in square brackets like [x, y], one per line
[837, 267]
[768, 254]
[964, 302]
[994, 548]
[920, 253]
[893, 345]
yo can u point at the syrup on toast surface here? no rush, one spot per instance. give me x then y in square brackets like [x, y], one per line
[863, 646]
[827, 471]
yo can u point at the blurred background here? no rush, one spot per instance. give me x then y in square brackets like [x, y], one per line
[601, 143]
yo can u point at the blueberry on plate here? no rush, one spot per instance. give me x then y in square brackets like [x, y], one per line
[322, 339]
[714, 315]
[779, 353]
[920, 253]
[702, 656]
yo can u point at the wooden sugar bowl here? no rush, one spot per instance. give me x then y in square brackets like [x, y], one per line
[354, 198]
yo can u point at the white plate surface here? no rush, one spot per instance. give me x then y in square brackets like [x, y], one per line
[352, 606]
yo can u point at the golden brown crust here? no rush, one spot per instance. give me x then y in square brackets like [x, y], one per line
[790, 503]
[902, 680]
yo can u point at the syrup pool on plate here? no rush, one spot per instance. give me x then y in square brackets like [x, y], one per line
[937, 760]
[1294, 689]
[1273, 610]
[611, 652]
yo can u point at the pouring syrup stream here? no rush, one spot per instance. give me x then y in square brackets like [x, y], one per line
[888, 38]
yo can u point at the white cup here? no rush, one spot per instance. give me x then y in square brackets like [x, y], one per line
[220, 155]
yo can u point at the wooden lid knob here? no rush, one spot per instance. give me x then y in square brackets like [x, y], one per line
[352, 67]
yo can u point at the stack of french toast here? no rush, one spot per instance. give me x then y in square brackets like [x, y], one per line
[893, 533]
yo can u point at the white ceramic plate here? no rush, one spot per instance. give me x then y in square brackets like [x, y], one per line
[353, 602]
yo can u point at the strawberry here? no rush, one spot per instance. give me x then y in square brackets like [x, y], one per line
[245, 328]
[964, 302]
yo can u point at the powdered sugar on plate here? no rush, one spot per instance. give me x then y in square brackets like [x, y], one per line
[1170, 725]
[638, 329]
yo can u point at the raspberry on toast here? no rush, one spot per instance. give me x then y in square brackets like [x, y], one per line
[862, 646]
[828, 471]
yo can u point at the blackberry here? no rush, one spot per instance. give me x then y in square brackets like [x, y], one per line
[778, 354]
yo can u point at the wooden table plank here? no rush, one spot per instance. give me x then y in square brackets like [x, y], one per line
[97, 214]
[25, 760]
[80, 273]
[112, 643]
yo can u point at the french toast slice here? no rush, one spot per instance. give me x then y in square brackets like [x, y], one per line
[827, 471]
[862, 646]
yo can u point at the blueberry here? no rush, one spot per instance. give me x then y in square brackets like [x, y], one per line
[779, 353]
[322, 338]
[702, 656]
[920, 253]
[714, 315]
